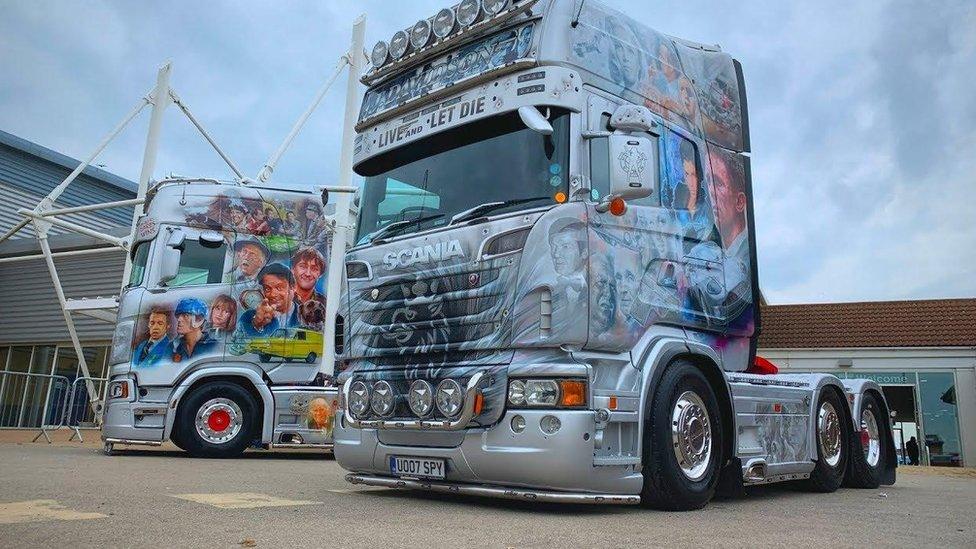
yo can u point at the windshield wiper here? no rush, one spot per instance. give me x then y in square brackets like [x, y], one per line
[396, 225]
[487, 207]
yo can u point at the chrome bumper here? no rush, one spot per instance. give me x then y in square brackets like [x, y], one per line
[457, 424]
[492, 491]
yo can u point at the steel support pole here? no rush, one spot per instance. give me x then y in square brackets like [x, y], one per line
[93, 397]
[160, 100]
[337, 264]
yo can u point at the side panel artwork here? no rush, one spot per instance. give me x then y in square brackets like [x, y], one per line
[250, 285]
[693, 88]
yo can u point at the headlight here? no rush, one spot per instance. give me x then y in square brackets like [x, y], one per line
[122, 342]
[494, 7]
[381, 52]
[382, 399]
[359, 399]
[420, 398]
[399, 45]
[516, 393]
[444, 23]
[420, 34]
[541, 393]
[468, 12]
[449, 397]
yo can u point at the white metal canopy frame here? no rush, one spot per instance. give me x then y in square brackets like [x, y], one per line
[44, 216]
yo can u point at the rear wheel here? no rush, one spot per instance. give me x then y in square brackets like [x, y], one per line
[833, 441]
[682, 441]
[868, 456]
[218, 419]
[310, 358]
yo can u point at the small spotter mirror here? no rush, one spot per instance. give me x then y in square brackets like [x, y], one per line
[534, 120]
[211, 239]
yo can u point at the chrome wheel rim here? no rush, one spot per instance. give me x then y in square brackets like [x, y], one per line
[828, 430]
[691, 434]
[219, 420]
[870, 438]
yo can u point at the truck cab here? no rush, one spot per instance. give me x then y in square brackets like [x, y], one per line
[552, 289]
[219, 341]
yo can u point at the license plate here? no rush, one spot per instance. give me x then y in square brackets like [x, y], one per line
[417, 467]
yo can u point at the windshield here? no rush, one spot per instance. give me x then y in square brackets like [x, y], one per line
[498, 159]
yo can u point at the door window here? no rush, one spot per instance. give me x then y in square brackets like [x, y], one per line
[200, 263]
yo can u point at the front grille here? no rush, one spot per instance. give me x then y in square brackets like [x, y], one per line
[431, 312]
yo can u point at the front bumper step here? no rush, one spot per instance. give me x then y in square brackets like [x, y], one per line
[503, 492]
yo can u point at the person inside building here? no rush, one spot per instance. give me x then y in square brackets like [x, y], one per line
[912, 447]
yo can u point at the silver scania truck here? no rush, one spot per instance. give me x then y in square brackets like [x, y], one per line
[552, 293]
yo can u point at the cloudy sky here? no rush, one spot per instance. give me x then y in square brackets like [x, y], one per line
[863, 114]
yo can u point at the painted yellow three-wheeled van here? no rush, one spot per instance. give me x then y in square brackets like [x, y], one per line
[289, 344]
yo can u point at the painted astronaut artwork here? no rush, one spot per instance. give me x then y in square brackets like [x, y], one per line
[259, 293]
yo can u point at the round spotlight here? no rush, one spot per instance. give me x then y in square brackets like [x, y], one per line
[382, 399]
[516, 393]
[380, 54]
[420, 398]
[444, 23]
[449, 397]
[494, 7]
[518, 423]
[468, 12]
[399, 45]
[359, 399]
[420, 34]
[550, 424]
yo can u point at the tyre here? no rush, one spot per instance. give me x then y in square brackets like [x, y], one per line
[174, 437]
[833, 443]
[218, 419]
[682, 441]
[868, 455]
[310, 358]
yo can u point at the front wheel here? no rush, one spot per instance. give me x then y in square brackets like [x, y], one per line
[682, 441]
[832, 426]
[218, 419]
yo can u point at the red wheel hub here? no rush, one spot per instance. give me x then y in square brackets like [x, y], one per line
[218, 420]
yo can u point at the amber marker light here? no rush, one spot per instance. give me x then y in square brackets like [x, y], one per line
[618, 206]
[572, 392]
[479, 402]
[613, 403]
[560, 197]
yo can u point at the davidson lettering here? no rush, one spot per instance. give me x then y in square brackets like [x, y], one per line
[440, 251]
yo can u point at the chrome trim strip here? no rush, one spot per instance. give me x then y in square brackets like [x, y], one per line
[461, 422]
[293, 445]
[503, 492]
[133, 442]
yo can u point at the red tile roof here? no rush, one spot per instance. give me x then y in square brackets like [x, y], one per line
[927, 323]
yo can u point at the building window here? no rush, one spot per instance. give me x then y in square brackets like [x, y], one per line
[937, 392]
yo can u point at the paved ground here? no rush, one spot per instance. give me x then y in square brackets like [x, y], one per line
[53, 495]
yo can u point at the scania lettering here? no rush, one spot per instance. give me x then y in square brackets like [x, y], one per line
[553, 288]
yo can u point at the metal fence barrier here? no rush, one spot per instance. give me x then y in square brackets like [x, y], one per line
[48, 402]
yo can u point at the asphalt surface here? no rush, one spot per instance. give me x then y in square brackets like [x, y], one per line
[55, 495]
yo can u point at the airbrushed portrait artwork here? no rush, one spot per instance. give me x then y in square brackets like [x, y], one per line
[272, 289]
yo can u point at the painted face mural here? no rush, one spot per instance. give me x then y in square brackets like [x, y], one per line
[268, 304]
[668, 77]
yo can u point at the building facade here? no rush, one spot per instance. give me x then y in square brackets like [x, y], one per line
[33, 334]
[922, 353]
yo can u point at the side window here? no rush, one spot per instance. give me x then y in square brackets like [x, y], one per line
[684, 189]
[600, 162]
[140, 257]
[200, 263]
